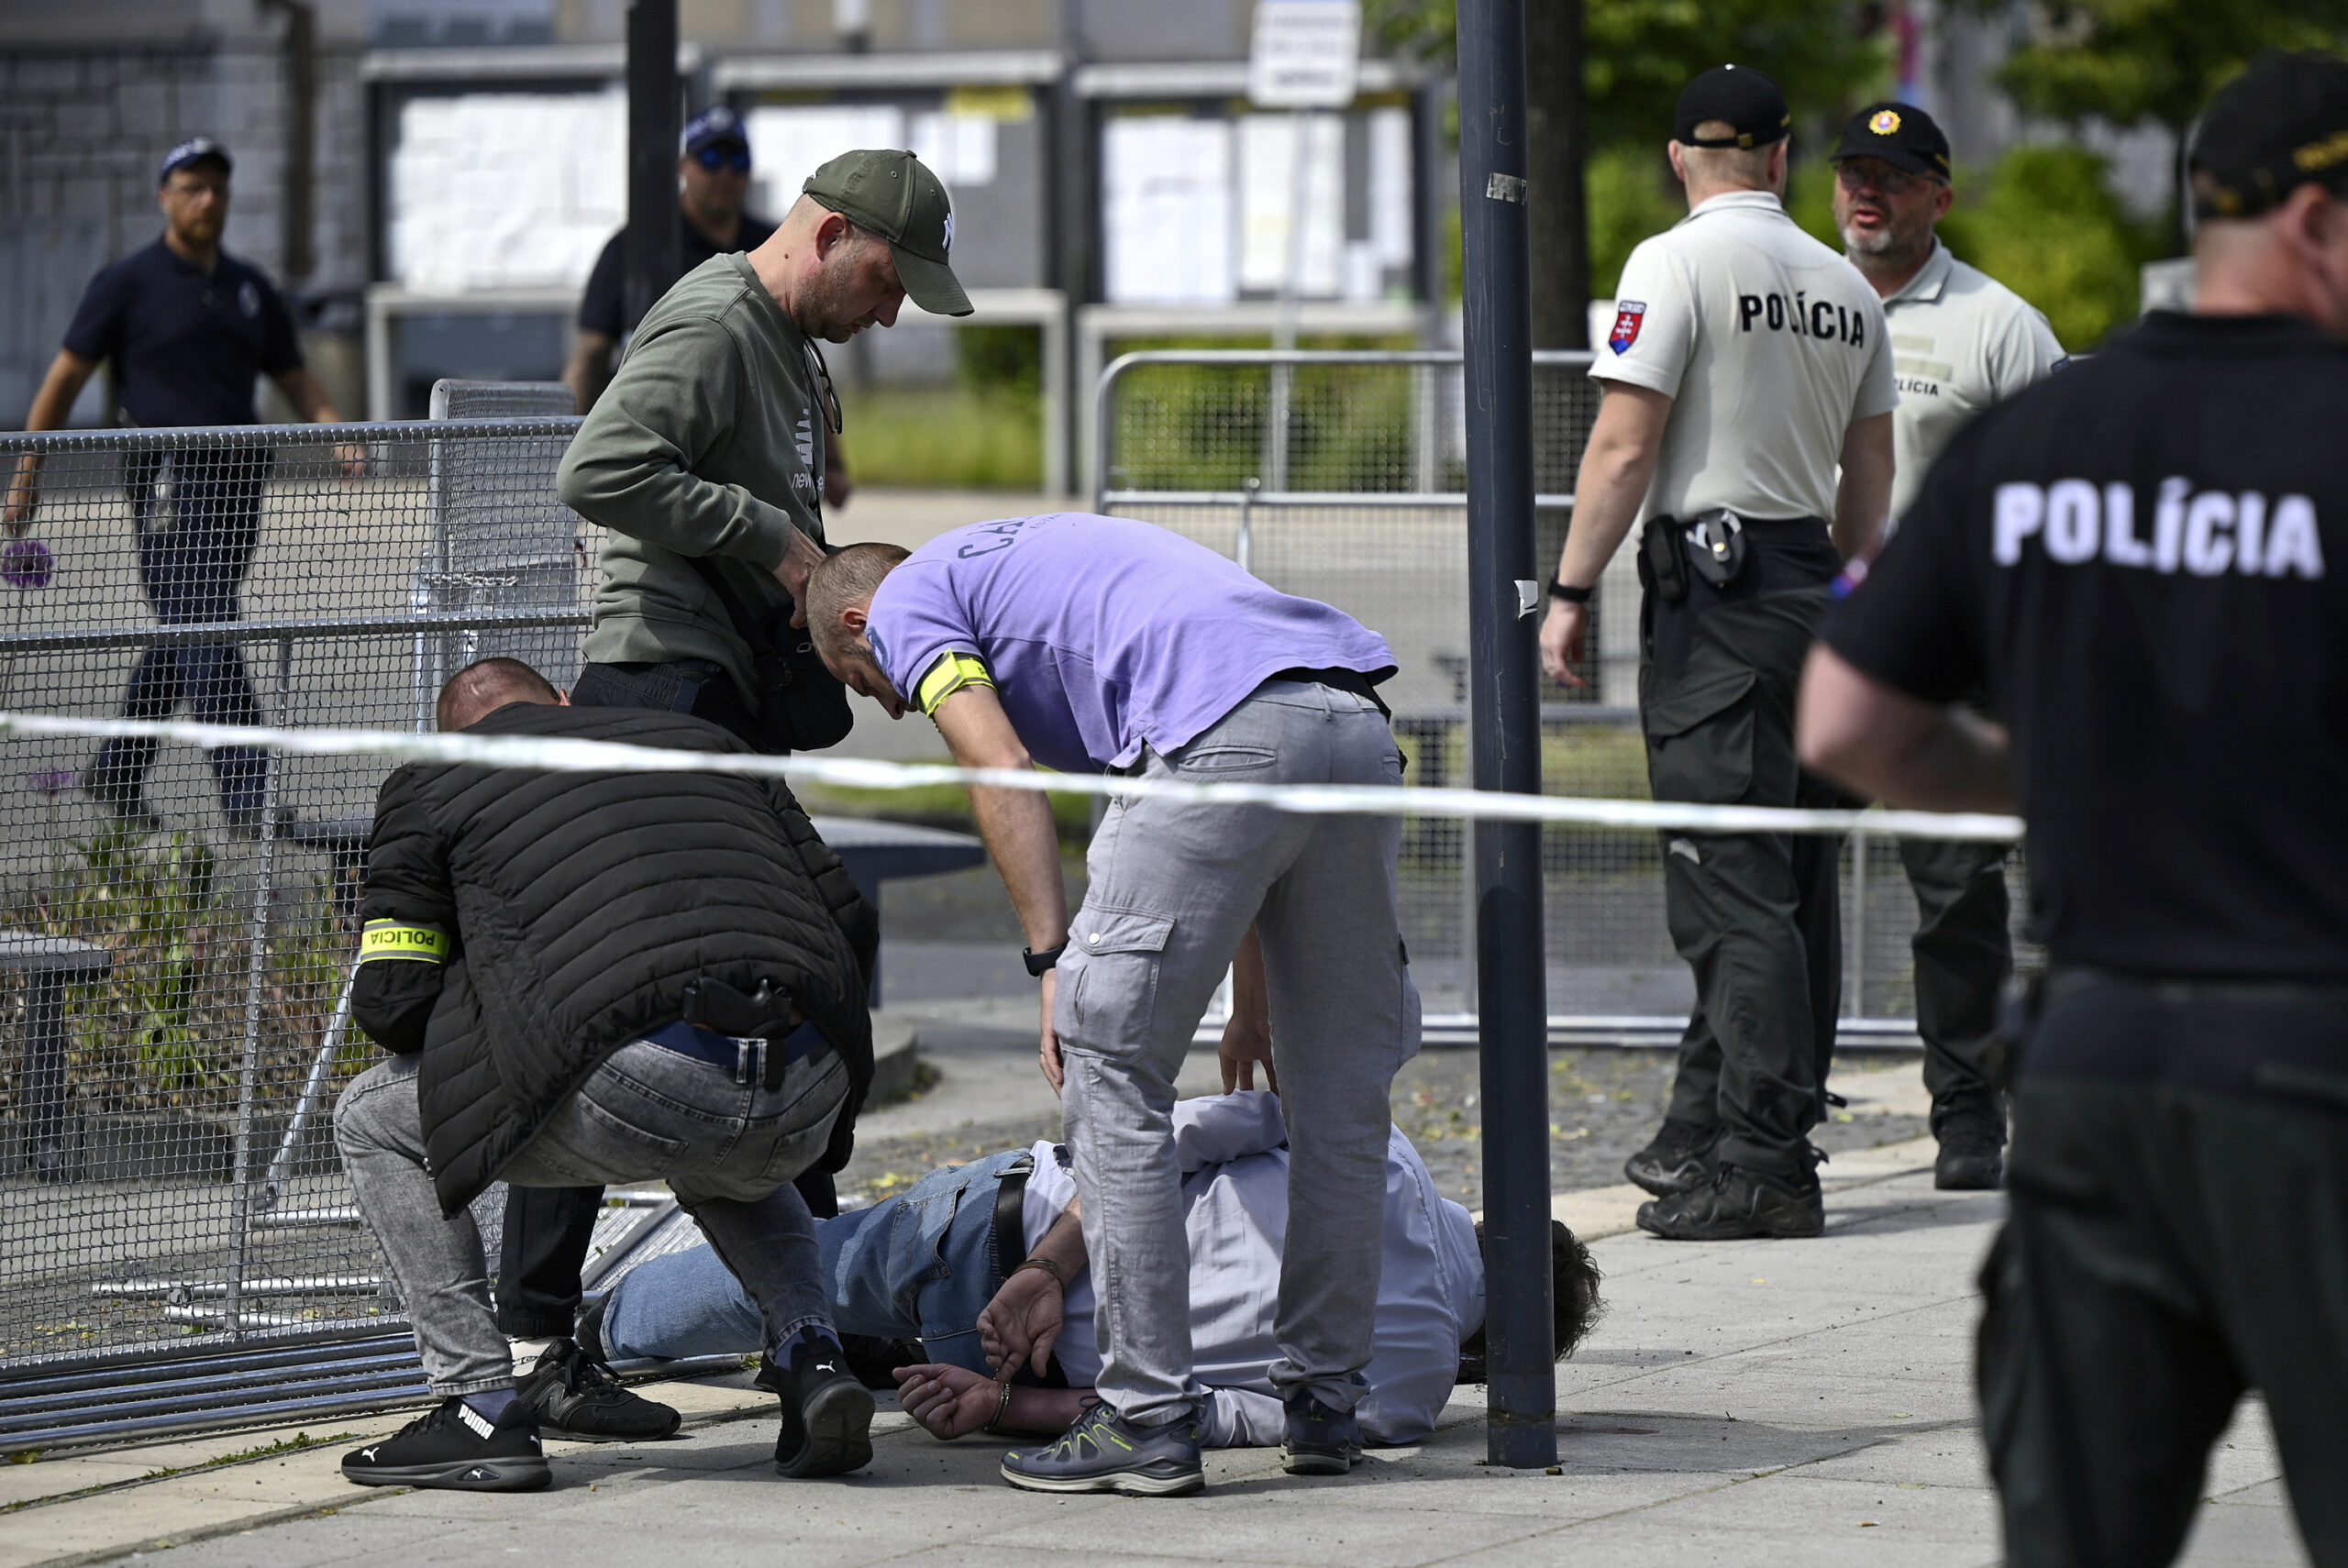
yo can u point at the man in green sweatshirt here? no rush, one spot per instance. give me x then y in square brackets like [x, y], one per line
[708, 445]
[704, 460]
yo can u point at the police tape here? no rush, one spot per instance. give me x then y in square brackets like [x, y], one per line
[550, 754]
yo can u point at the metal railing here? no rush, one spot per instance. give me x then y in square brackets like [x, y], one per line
[1339, 475]
[176, 930]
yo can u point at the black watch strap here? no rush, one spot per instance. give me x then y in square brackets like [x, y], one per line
[1567, 592]
[1038, 962]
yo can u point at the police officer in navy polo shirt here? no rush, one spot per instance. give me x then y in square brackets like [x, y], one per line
[2144, 561]
[188, 329]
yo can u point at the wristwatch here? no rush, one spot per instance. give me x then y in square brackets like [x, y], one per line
[1038, 962]
[1567, 592]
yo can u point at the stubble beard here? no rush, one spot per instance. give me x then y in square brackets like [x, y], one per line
[1887, 252]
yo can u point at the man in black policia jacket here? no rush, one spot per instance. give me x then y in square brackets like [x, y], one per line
[600, 977]
[2136, 557]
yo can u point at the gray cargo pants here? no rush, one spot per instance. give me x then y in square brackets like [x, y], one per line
[727, 1150]
[1174, 889]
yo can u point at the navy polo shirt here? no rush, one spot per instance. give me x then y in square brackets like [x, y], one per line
[186, 345]
[601, 309]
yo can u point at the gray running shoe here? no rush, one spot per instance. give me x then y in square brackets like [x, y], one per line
[1321, 1442]
[1105, 1452]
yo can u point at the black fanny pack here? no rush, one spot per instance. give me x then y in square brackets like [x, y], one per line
[801, 705]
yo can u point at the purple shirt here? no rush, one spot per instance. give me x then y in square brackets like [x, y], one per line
[1103, 634]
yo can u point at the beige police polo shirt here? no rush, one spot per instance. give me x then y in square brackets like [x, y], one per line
[1960, 342]
[1768, 343]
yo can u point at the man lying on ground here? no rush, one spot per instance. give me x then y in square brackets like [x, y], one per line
[560, 1013]
[1012, 1346]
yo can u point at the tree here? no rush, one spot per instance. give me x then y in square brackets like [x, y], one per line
[1630, 58]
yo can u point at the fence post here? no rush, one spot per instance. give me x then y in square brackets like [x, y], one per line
[1858, 922]
[1244, 548]
[241, 1202]
[1505, 708]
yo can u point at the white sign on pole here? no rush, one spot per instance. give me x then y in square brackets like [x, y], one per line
[1306, 54]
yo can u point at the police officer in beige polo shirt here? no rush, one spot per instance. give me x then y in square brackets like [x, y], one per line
[1746, 362]
[1960, 342]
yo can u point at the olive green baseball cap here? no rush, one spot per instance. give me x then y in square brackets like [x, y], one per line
[895, 195]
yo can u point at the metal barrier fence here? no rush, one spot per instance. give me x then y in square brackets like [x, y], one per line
[176, 930]
[1338, 475]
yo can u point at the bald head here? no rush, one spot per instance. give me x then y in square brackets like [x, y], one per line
[486, 685]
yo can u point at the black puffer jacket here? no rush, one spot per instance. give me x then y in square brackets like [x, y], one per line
[583, 905]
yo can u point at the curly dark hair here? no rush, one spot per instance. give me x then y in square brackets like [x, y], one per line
[1574, 1278]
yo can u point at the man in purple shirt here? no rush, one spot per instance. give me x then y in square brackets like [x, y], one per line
[1095, 644]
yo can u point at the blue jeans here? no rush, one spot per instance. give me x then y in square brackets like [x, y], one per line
[191, 563]
[918, 1265]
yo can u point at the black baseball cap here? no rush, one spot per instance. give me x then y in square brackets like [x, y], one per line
[2280, 125]
[194, 150]
[717, 126]
[1900, 134]
[895, 195]
[1752, 104]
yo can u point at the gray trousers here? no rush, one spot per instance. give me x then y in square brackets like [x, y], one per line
[727, 1150]
[1174, 890]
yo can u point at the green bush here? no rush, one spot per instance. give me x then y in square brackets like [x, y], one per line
[2045, 223]
[943, 437]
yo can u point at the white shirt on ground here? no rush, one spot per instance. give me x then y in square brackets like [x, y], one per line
[1234, 1161]
[1770, 345]
[1960, 342]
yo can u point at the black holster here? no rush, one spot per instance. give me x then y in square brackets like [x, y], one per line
[764, 1014]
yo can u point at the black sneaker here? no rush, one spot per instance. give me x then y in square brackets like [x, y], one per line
[826, 1413]
[1678, 1160]
[571, 1395]
[1320, 1441]
[1736, 1205]
[1973, 1153]
[455, 1447]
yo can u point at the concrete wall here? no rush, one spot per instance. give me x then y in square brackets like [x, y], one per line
[93, 94]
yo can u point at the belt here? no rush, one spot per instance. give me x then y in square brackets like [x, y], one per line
[746, 1054]
[1010, 1250]
[1352, 680]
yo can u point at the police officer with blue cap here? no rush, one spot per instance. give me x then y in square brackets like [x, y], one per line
[188, 329]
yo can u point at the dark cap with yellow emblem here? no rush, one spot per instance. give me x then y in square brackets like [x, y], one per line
[2280, 125]
[895, 195]
[1900, 134]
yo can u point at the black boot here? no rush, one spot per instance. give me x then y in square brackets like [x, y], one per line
[1679, 1159]
[1736, 1205]
[1973, 1150]
[826, 1413]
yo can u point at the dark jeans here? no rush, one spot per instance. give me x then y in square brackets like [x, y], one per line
[1965, 954]
[1757, 916]
[193, 557]
[2178, 1191]
[547, 1229]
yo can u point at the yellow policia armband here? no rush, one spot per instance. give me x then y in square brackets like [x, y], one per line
[952, 672]
[392, 939]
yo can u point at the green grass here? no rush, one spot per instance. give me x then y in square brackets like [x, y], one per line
[945, 437]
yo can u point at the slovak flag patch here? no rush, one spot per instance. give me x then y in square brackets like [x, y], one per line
[1628, 315]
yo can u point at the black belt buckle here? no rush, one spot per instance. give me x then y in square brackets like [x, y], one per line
[1716, 547]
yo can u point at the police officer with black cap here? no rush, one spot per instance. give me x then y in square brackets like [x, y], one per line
[1745, 362]
[2134, 556]
[188, 329]
[1961, 342]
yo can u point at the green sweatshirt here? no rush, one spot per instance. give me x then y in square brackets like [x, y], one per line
[709, 442]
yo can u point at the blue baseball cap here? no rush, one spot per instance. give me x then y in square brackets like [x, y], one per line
[195, 149]
[717, 126]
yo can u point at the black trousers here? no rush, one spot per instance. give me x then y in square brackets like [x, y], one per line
[1757, 916]
[2179, 1233]
[1964, 955]
[549, 1229]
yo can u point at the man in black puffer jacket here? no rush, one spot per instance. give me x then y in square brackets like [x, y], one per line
[601, 977]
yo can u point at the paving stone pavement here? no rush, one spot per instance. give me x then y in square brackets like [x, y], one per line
[1746, 1403]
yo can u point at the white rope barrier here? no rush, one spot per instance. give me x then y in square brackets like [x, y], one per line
[602, 757]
